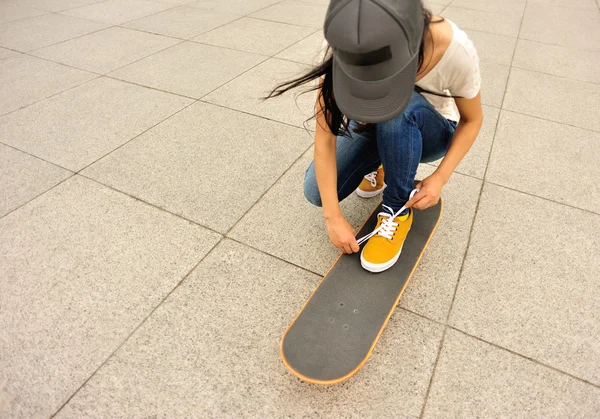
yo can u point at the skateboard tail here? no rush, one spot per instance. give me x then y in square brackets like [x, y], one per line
[384, 324]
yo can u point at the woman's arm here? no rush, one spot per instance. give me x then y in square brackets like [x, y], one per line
[325, 164]
[341, 233]
[471, 119]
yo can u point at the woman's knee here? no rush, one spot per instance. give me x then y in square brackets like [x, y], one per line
[311, 189]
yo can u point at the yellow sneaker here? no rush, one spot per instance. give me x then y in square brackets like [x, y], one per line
[383, 249]
[372, 184]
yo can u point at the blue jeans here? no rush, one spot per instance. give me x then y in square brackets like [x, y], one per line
[419, 134]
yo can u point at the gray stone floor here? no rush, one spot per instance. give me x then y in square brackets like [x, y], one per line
[155, 242]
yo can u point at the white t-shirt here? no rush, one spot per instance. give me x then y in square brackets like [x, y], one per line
[456, 74]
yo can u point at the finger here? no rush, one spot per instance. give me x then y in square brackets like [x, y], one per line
[355, 247]
[418, 196]
[424, 203]
[347, 249]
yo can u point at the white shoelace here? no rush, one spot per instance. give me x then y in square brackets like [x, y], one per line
[388, 226]
[372, 177]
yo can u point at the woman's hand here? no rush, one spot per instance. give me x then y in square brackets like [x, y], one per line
[430, 192]
[341, 235]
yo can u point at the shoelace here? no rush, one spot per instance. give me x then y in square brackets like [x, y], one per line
[388, 226]
[372, 177]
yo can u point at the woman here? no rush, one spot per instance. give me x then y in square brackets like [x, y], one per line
[397, 87]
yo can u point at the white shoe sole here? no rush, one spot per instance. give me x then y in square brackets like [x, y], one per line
[379, 267]
[365, 194]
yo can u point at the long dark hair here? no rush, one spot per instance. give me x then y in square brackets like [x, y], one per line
[336, 121]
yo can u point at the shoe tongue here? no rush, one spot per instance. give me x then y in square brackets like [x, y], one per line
[401, 217]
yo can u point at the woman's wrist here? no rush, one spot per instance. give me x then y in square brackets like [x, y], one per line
[332, 213]
[442, 174]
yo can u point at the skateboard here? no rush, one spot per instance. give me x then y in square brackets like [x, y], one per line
[338, 326]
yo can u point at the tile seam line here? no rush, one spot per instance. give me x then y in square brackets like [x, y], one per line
[183, 40]
[38, 195]
[520, 355]
[542, 198]
[28, 17]
[107, 74]
[78, 172]
[500, 14]
[294, 44]
[277, 21]
[173, 6]
[498, 346]
[510, 188]
[37, 157]
[548, 120]
[487, 11]
[142, 322]
[471, 231]
[196, 223]
[136, 136]
[51, 96]
[556, 75]
[268, 189]
[303, 128]
[552, 44]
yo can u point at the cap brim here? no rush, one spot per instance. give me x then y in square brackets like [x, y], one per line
[350, 94]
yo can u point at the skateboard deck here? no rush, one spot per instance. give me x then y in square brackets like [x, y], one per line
[339, 325]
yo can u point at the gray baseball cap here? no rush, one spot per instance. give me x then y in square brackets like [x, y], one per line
[375, 46]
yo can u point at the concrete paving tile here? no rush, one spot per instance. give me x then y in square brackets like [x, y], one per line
[41, 31]
[308, 51]
[493, 82]
[567, 101]
[5, 53]
[23, 177]
[325, 2]
[484, 21]
[116, 12]
[255, 35]
[475, 379]
[432, 286]
[295, 13]
[492, 47]
[246, 92]
[476, 160]
[440, 2]
[82, 266]
[25, 80]
[436, 8]
[505, 7]
[283, 223]
[531, 155]
[573, 4]
[559, 61]
[529, 283]
[189, 69]
[563, 26]
[175, 2]
[215, 162]
[182, 22]
[239, 7]
[81, 125]
[13, 11]
[106, 50]
[56, 5]
[212, 350]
